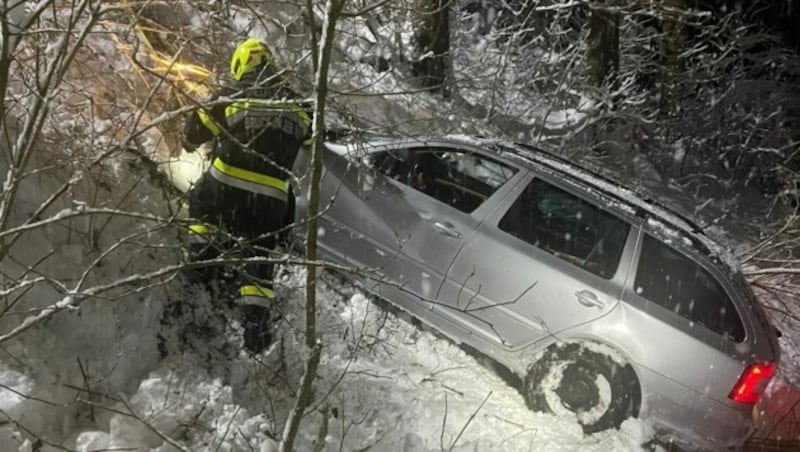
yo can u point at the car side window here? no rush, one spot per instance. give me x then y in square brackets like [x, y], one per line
[677, 283]
[567, 227]
[461, 179]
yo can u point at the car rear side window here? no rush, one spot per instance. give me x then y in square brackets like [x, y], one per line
[677, 283]
[461, 179]
[567, 227]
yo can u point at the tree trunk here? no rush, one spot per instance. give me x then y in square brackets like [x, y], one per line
[603, 47]
[14, 20]
[671, 48]
[432, 36]
[333, 9]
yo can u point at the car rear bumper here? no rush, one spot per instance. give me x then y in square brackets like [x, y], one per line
[697, 422]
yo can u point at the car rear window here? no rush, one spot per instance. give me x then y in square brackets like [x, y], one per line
[461, 179]
[567, 227]
[677, 283]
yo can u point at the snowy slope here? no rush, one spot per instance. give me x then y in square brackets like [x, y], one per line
[384, 385]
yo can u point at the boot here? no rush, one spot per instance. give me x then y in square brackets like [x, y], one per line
[255, 321]
[200, 276]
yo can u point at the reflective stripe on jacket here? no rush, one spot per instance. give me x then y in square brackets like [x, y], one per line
[209, 122]
[249, 117]
[252, 118]
[255, 295]
[249, 180]
[201, 233]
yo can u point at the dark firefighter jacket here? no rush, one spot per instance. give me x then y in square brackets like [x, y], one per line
[257, 142]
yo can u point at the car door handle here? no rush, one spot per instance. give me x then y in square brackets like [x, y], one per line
[589, 299]
[446, 228]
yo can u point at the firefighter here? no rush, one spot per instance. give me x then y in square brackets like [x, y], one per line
[241, 201]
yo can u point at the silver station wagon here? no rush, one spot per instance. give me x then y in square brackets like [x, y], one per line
[605, 305]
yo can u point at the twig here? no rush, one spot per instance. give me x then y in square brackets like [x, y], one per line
[472, 416]
[87, 386]
[773, 271]
[39, 441]
[153, 429]
[303, 399]
[30, 397]
[227, 429]
[444, 424]
[319, 444]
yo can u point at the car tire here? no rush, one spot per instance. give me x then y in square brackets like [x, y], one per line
[584, 381]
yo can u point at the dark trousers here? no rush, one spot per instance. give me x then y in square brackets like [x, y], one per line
[250, 218]
[240, 224]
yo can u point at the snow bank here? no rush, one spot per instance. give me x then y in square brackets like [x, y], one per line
[103, 343]
[383, 384]
[176, 401]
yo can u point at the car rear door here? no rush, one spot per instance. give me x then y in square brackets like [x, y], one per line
[547, 260]
[693, 341]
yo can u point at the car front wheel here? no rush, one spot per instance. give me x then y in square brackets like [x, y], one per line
[586, 381]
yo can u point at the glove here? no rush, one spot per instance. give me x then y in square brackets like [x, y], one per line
[187, 146]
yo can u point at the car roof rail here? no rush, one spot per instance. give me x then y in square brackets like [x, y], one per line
[349, 134]
[337, 133]
[646, 197]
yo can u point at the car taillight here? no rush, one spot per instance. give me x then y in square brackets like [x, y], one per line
[752, 383]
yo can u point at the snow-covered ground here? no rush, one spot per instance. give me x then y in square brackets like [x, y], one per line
[383, 384]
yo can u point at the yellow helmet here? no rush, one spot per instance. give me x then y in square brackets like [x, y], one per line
[249, 55]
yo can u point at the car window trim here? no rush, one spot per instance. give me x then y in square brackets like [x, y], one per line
[700, 260]
[634, 223]
[482, 212]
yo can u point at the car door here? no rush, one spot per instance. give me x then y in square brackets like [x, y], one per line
[696, 336]
[408, 210]
[547, 261]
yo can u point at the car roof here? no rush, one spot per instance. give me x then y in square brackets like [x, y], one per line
[667, 214]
